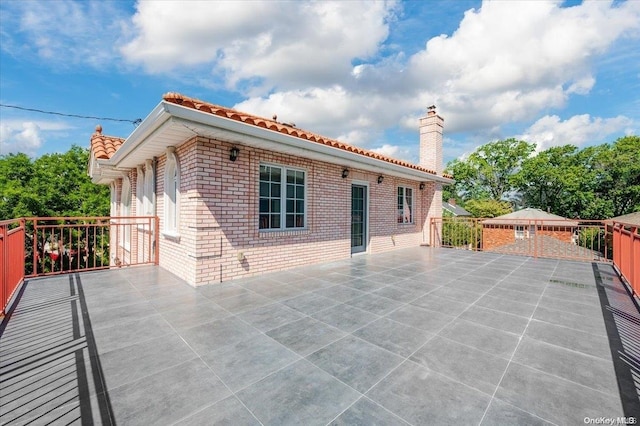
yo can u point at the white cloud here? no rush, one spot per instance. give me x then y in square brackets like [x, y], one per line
[27, 138]
[63, 33]
[269, 44]
[509, 60]
[395, 151]
[578, 130]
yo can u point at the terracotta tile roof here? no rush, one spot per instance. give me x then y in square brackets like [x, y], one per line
[104, 146]
[276, 126]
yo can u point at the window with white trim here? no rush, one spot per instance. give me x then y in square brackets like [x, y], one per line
[125, 210]
[149, 189]
[405, 204]
[114, 205]
[282, 198]
[525, 232]
[171, 193]
[140, 192]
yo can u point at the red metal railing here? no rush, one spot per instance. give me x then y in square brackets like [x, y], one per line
[12, 236]
[564, 239]
[37, 246]
[626, 253]
[65, 244]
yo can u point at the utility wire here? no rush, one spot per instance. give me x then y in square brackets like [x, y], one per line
[135, 122]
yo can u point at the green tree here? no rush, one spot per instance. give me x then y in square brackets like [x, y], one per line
[51, 185]
[617, 170]
[487, 208]
[488, 171]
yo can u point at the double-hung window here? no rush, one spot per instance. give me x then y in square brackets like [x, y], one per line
[282, 198]
[405, 204]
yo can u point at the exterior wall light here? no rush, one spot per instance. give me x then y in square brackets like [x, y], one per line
[233, 154]
[422, 185]
[380, 179]
[345, 173]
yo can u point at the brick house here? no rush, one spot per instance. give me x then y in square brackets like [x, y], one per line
[525, 224]
[238, 195]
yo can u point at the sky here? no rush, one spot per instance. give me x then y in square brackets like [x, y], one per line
[363, 72]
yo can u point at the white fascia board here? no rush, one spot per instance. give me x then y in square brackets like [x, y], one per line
[329, 153]
[152, 122]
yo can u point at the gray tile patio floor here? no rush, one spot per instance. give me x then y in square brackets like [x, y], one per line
[421, 336]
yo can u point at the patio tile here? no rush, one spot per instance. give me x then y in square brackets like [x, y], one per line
[587, 310]
[499, 320]
[514, 295]
[496, 342]
[210, 336]
[364, 284]
[472, 285]
[422, 396]
[556, 400]
[279, 292]
[516, 284]
[596, 373]
[366, 412]
[441, 304]
[166, 290]
[174, 301]
[500, 413]
[248, 361]
[229, 411]
[243, 302]
[182, 317]
[467, 365]
[593, 325]
[393, 336]
[118, 336]
[167, 396]
[340, 293]
[375, 304]
[136, 361]
[307, 284]
[457, 295]
[355, 362]
[345, 317]
[309, 303]
[300, 394]
[113, 299]
[271, 316]
[107, 317]
[221, 291]
[422, 319]
[568, 338]
[305, 335]
[505, 305]
[398, 294]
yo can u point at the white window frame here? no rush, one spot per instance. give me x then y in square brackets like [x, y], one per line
[140, 191]
[519, 232]
[284, 199]
[172, 194]
[114, 199]
[401, 212]
[149, 189]
[525, 232]
[125, 210]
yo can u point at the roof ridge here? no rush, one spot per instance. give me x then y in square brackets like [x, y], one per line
[274, 125]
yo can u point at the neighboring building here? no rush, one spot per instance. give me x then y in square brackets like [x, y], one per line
[525, 224]
[631, 218]
[452, 209]
[240, 195]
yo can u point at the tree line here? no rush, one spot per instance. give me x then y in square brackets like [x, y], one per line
[51, 185]
[595, 182]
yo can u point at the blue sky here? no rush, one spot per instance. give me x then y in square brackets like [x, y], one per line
[549, 72]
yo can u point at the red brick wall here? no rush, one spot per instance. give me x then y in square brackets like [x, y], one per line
[219, 238]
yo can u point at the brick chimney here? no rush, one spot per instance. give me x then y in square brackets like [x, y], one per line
[452, 201]
[431, 140]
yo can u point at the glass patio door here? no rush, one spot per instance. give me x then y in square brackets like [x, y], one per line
[358, 218]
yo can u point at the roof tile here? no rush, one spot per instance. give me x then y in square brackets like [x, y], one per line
[290, 130]
[104, 146]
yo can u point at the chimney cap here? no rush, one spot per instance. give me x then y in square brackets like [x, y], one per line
[431, 110]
